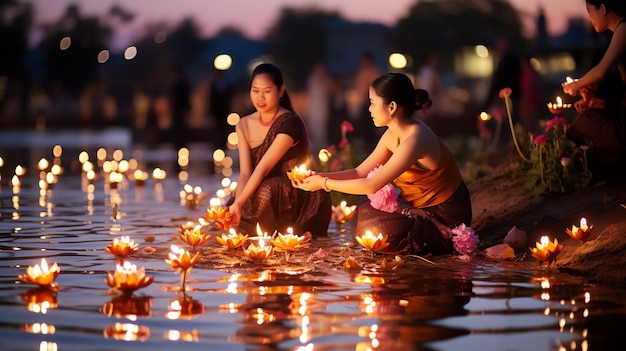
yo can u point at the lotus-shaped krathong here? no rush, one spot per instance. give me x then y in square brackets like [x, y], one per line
[580, 233]
[290, 242]
[546, 250]
[373, 242]
[298, 173]
[122, 247]
[259, 253]
[195, 237]
[232, 240]
[127, 278]
[342, 213]
[220, 216]
[42, 275]
[180, 259]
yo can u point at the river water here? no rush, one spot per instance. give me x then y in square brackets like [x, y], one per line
[308, 303]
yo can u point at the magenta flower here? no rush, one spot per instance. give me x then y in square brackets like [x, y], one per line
[464, 240]
[385, 199]
[343, 143]
[332, 149]
[346, 127]
[556, 122]
[505, 92]
[540, 139]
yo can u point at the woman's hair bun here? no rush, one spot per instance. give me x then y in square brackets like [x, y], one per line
[422, 101]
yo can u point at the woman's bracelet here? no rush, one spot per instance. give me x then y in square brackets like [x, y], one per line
[324, 186]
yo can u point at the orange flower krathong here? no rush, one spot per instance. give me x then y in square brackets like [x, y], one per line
[259, 253]
[42, 275]
[546, 250]
[290, 242]
[220, 216]
[232, 240]
[342, 213]
[371, 242]
[122, 247]
[298, 173]
[180, 259]
[127, 278]
[581, 234]
[194, 237]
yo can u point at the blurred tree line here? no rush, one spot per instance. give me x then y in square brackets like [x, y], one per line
[296, 42]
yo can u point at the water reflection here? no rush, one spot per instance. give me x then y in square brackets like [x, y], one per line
[310, 302]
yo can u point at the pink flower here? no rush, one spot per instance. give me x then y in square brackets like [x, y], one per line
[464, 240]
[385, 199]
[566, 161]
[346, 127]
[505, 93]
[343, 143]
[540, 139]
[332, 149]
[555, 122]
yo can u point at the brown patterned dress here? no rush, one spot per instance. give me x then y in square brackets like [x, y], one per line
[276, 204]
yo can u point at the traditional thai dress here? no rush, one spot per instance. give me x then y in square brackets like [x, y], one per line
[438, 194]
[276, 204]
[603, 130]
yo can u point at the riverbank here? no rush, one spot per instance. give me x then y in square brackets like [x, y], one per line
[500, 201]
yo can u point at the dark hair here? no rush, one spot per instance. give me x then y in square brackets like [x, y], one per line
[617, 6]
[399, 88]
[276, 76]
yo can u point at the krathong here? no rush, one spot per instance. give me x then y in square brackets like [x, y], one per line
[546, 250]
[298, 173]
[220, 216]
[42, 275]
[259, 253]
[232, 240]
[371, 242]
[122, 247]
[195, 237]
[581, 234]
[181, 260]
[558, 107]
[343, 213]
[290, 242]
[127, 278]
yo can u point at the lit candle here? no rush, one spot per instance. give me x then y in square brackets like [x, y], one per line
[342, 213]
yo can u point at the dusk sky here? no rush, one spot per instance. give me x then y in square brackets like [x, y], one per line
[254, 17]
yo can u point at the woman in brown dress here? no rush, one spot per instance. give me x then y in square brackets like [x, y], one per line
[411, 155]
[271, 141]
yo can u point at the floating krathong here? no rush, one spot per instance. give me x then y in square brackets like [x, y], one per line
[220, 216]
[371, 242]
[298, 173]
[195, 237]
[122, 247]
[581, 234]
[42, 275]
[290, 242]
[546, 250]
[181, 260]
[232, 240]
[127, 278]
[342, 213]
